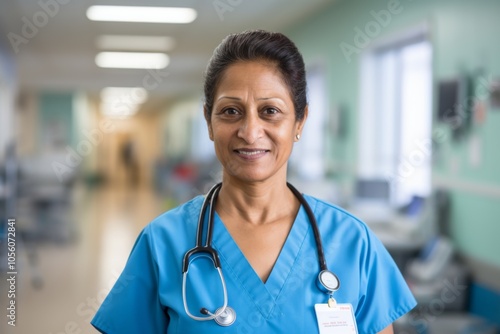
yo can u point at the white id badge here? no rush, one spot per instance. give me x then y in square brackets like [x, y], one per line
[337, 319]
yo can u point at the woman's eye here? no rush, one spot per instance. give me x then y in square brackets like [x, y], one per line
[271, 111]
[230, 111]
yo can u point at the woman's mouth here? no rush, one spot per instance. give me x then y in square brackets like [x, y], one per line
[251, 153]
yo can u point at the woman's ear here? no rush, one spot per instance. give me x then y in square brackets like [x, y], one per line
[209, 122]
[302, 122]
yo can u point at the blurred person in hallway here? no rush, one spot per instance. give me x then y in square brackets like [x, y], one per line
[129, 159]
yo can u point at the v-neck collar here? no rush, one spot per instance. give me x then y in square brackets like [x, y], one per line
[264, 295]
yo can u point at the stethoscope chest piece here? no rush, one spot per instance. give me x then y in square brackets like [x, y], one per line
[329, 282]
[226, 318]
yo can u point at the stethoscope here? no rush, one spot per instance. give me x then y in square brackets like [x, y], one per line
[225, 315]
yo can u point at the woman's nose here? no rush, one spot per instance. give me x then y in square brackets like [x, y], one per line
[250, 128]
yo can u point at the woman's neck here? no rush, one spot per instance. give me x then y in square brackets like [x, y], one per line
[256, 202]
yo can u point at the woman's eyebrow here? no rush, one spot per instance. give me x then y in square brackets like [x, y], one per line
[269, 98]
[229, 97]
[258, 99]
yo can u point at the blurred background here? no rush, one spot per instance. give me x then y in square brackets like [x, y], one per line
[101, 130]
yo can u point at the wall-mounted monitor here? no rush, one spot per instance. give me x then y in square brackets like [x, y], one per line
[454, 104]
[495, 94]
[448, 98]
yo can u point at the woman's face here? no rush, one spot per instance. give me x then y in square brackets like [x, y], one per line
[253, 123]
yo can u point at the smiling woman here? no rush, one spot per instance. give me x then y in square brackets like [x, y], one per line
[253, 123]
[264, 265]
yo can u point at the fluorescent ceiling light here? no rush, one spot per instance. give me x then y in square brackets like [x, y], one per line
[122, 101]
[135, 43]
[145, 60]
[129, 95]
[141, 14]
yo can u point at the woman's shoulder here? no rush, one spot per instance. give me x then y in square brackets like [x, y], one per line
[341, 226]
[325, 206]
[338, 216]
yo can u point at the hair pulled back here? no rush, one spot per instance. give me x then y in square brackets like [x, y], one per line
[259, 45]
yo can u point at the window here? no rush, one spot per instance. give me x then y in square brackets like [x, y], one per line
[396, 116]
[308, 156]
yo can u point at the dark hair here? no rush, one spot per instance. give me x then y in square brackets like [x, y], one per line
[254, 45]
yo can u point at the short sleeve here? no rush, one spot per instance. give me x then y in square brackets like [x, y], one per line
[384, 296]
[133, 304]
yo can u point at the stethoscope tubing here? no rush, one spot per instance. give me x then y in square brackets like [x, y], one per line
[314, 225]
[207, 248]
[211, 316]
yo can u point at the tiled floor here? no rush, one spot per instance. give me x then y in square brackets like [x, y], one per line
[76, 276]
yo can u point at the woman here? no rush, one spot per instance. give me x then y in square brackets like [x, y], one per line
[255, 107]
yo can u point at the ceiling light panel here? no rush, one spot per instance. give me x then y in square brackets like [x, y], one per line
[137, 60]
[141, 14]
[135, 43]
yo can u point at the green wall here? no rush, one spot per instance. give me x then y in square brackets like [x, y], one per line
[464, 35]
[56, 114]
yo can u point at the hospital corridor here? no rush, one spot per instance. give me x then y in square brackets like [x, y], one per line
[145, 145]
[61, 288]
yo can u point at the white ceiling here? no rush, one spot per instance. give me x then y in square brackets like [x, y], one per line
[60, 56]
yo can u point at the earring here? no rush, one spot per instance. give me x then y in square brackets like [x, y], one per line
[297, 136]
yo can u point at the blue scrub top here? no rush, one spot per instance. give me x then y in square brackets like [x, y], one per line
[147, 297]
